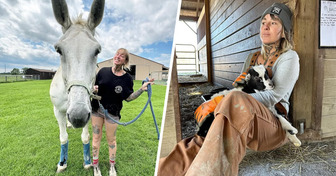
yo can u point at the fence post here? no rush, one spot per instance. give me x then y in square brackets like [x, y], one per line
[6, 78]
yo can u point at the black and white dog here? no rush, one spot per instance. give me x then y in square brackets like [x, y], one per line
[256, 80]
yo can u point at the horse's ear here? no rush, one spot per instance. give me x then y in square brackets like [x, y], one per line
[61, 13]
[96, 13]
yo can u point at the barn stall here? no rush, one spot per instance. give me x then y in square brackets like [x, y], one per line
[227, 31]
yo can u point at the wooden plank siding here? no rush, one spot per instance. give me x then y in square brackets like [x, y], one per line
[328, 124]
[306, 100]
[208, 40]
[234, 35]
[201, 44]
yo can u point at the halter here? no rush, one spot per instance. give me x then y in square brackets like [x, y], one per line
[80, 83]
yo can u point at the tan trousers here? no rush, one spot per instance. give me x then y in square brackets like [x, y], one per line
[240, 122]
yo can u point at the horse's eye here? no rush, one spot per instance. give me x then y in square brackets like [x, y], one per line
[97, 52]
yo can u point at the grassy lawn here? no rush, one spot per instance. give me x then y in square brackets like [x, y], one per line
[29, 142]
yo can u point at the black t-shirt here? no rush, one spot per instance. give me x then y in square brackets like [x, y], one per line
[113, 90]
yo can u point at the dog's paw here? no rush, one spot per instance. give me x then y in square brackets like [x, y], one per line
[292, 138]
[292, 131]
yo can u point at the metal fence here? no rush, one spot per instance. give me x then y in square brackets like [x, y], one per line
[160, 77]
[15, 78]
[186, 61]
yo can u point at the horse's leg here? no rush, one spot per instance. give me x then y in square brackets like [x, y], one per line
[86, 146]
[61, 119]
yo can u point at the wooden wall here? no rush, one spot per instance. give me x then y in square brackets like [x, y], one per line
[234, 35]
[234, 31]
[144, 67]
[201, 43]
[329, 93]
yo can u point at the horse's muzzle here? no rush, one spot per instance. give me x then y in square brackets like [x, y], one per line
[79, 120]
[79, 110]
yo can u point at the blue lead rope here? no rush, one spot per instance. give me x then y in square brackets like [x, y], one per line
[149, 92]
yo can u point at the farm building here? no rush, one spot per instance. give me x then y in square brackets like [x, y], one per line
[141, 68]
[228, 31]
[40, 73]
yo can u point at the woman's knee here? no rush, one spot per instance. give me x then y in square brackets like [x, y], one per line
[111, 140]
[236, 94]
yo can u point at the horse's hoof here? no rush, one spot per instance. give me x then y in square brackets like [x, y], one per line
[61, 168]
[88, 166]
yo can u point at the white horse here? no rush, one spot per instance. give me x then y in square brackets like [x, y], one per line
[72, 84]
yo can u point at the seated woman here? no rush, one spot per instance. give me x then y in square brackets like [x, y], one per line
[243, 120]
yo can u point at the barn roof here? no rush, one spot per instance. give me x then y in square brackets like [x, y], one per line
[191, 9]
[163, 67]
[43, 70]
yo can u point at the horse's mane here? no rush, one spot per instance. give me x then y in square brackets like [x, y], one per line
[79, 20]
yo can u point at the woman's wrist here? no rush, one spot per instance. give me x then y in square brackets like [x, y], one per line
[141, 90]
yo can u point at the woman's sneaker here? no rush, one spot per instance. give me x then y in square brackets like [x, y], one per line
[96, 171]
[112, 171]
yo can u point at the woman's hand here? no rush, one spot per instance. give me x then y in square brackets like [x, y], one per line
[137, 93]
[95, 89]
[144, 86]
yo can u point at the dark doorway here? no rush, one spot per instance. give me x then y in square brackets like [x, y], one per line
[132, 71]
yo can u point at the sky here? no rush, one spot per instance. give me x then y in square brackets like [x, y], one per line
[29, 30]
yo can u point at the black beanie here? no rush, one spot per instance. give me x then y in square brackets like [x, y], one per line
[283, 12]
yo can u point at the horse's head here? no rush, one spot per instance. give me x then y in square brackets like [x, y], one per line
[78, 50]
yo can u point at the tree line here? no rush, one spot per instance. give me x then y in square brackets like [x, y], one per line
[17, 71]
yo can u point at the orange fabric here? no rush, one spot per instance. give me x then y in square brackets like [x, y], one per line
[268, 64]
[178, 161]
[203, 111]
[240, 79]
[240, 122]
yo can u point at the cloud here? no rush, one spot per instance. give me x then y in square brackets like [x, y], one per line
[163, 59]
[136, 24]
[28, 29]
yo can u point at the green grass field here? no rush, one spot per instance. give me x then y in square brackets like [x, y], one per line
[29, 140]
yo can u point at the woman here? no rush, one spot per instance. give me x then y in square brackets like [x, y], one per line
[243, 120]
[114, 85]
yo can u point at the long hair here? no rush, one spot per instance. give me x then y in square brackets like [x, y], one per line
[126, 64]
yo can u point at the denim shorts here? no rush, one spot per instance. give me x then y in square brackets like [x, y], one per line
[101, 114]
